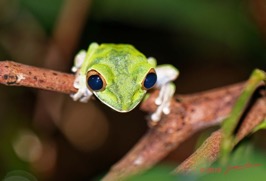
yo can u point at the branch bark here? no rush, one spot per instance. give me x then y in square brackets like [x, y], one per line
[16, 74]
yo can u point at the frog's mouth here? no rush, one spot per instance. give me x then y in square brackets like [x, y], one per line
[120, 109]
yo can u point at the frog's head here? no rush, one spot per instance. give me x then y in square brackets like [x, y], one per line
[121, 89]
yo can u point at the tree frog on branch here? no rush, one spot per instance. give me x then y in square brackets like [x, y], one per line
[119, 76]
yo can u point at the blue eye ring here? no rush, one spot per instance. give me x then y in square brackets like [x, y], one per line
[95, 81]
[150, 80]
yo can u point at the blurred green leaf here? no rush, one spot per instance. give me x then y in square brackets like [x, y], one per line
[246, 163]
[155, 174]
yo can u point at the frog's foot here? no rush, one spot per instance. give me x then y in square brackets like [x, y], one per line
[83, 94]
[163, 101]
[79, 59]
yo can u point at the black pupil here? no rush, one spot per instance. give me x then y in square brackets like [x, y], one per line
[150, 80]
[95, 82]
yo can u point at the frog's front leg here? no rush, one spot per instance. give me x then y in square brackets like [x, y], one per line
[78, 61]
[83, 94]
[165, 75]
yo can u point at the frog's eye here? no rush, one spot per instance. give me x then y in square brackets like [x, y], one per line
[149, 80]
[95, 81]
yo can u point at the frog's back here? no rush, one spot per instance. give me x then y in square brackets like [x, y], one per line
[118, 55]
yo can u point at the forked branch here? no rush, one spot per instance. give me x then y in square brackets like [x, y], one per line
[190, 113]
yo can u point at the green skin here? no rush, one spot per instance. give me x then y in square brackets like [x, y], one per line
[118, 64]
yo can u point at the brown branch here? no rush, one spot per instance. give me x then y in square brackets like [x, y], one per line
[189, 114]
[66, 34]
[16, 74]
[209, 151]
[192, 113]
[69, 27]
[255, 116]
